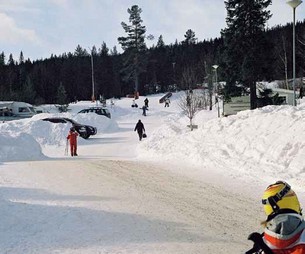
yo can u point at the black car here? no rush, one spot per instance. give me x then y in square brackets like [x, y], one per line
[97, 110]
[85, 131]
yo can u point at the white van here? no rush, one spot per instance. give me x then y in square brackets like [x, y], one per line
[17, 108]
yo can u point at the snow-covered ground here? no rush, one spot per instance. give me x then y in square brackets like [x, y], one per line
[40, 186]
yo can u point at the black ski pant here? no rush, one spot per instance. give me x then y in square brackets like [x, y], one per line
[140, 133]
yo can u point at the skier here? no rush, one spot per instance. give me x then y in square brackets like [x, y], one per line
[140, 129]
[284, 227]
[72, 137]
[146, 102]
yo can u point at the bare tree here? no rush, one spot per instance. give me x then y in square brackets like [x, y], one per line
[188, 78]
[189, 103]
[301, 49]
[204, 99]
[209, 79]
[284, 61]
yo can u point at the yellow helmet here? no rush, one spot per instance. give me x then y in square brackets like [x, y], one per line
[279, 197]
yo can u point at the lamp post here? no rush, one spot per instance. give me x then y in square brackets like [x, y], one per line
[174, 74]
[216, 88]
[92, 77]
[294, 4]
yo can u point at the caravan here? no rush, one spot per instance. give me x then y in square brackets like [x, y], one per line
[10, 110]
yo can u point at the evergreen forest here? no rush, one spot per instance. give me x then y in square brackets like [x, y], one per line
[242, 58]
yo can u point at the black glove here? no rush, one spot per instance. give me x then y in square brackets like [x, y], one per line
[259, 244]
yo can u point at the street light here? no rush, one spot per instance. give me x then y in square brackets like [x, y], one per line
[215, 68]
[92, 76]
[174, 73]
[216, 88]
[294, 4]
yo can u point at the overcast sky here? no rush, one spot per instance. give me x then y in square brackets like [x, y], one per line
[42, 27]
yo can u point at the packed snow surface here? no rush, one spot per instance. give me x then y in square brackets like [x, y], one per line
[62, 200]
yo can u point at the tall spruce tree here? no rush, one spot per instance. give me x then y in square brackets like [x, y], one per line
[160, 43]
[2, 59]
[134, 46]
[27, 92]
[62, 98]
[21, 58]
[80, 52]
[245, 42]
[189, 37]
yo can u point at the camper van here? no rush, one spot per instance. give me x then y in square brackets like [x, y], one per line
[16, 109]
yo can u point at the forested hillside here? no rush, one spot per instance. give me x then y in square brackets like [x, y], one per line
[160, 68]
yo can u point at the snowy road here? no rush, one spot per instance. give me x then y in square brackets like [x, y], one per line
[109, 200]
[94, 206]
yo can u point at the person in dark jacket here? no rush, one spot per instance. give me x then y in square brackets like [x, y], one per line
[144, 108]
[146, 102]
[140, 129]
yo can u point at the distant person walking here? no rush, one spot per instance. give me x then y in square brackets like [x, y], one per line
[72, 137]
[144, 108]
[146, 102]
[167, 102]
[140, 129]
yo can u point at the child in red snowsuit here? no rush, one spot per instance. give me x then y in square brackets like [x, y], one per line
[72, 137]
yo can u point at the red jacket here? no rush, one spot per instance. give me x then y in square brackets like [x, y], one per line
[72, 136]
[291, 242]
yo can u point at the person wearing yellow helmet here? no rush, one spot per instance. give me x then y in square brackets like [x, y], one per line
[284, 227]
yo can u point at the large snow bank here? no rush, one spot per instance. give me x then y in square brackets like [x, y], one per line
[273, 136]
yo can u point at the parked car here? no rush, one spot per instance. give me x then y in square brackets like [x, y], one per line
[7, 116]
[85, 131]
[18, 108]
[97, 110]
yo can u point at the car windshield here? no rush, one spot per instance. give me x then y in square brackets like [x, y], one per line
[32, 109]
[72, 121]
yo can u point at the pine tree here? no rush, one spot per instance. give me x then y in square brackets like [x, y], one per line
[79, 51]
[28, 92]
[2, 59]
[189, 37]
[62, 99]
[134, 46]
[104, 50]
[160, 43]
[94, 51]
[114, 51]
[244, 42]
[11, 60]
[21, 58]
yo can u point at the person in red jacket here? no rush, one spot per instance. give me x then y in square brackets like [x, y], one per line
[72, 137]
[284, 227]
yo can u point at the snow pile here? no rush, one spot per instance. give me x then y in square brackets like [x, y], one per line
[36, 135]
[14, 147]
[271, 138]
[264, 143]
